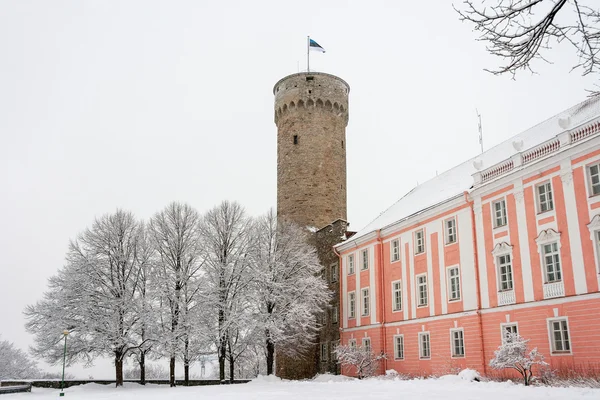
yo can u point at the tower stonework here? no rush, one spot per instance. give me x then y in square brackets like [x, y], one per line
[311, 114]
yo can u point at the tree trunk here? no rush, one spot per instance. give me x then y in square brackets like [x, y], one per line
[186, 362]
[118, 369]
[222, 356]
[172, 372]
[231, 369]
[270, 353]
[142, 368]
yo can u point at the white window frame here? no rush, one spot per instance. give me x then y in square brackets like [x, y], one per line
[557, 267]
[591, 178]
[419, 241]
[553, 350]
[457, 294]
[351, 266]
[399, 346]
[334, 346]
[352, 304]
[421, 348]
[394, 297]
[451, 234]
[504, 331]
[548, 201]
[501, 214]
[334, 315]
[352, 343]
[395, 250]
[364, 259]
[499, 272]
[418, 291]
[365, 302]
[324, 352]
[334, 272]
[366, 344]
[461, 336]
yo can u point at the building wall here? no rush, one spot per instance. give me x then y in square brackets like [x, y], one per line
[485, 305]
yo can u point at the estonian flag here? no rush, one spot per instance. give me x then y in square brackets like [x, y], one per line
[316, 46]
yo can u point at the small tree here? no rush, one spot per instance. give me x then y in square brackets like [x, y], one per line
[362, 358]
[15, 363]
[513, 354]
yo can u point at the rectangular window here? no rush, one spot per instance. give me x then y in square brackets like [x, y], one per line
[499, 213]
[399, 347]
[364, 259]
[334, 272]
[552, 262]
[544, 192]
[453, 283]
[351, 305]
[422, 290]
[366, 344]
[324, 352]
[365, 302]
[397, 296]
[505, 277]
[419, 242]
[395, 249]
[458, 343]
[451, 230]
[559, 333]
[352, 343]
[350, 264]
[334, 346]
[424, 349]
[594, 172]
[508, 330]
[334, 315]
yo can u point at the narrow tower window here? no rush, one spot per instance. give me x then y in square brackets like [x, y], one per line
[342, 144]
[295, 139]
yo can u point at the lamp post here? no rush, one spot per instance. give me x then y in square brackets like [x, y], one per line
[62, 384]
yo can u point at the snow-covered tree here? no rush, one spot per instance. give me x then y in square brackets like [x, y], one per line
[513, 354]
[361, 358]
[175, 238]
[93, 296]
[15, 363]
[225, 235]
[289, 290]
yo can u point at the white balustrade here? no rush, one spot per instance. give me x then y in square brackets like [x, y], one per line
[554, 289]
[506, 297]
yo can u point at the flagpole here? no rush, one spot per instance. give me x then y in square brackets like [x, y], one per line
[308, 54]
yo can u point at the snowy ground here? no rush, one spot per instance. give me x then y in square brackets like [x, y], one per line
[324, 388]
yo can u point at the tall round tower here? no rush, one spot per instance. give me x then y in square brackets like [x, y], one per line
[311, 114]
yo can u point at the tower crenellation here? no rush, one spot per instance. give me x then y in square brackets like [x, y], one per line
[311, 114]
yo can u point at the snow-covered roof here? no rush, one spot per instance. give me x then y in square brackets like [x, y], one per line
[459, 179]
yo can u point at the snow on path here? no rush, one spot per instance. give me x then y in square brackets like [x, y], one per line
[445, 388]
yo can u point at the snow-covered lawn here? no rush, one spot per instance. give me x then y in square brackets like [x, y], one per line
[446, 388]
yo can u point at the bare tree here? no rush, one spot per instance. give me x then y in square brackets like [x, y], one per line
[174, 234]
[520, 30]
[15, 363]
[225, 235]
[361, 358]
[289, 288]
[94, 295]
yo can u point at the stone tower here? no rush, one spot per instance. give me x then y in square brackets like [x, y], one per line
[311, 114]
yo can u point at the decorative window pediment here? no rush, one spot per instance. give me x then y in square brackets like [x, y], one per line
[594, 225]
[548, 236]
[502, 248]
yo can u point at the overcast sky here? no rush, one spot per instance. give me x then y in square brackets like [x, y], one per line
[134, 104]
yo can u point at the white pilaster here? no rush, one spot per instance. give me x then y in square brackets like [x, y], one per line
[523, 242]
[483, 278]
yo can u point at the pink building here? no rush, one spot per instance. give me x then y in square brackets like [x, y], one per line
[507, 241]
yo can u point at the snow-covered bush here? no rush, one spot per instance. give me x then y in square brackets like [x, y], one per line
[513, 354]
[362, 358]
[469, 375]
[15, 363]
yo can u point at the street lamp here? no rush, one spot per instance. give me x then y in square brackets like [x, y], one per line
[62, 384]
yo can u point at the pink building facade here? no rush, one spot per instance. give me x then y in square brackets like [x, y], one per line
[506, 242]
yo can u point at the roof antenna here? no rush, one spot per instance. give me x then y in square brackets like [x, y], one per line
[480, 130]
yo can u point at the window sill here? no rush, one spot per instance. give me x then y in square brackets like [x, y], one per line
[399, 359]
[545, 212]
[562, 353]
[463, 356]
[364, 269]
[425, 358]
[454, 300]
[421, 305]
[500, 226]
[505, 290]
[394, 261]
[397, 311]
[364, 315]
[421, 253]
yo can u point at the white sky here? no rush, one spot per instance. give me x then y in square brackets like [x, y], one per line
[134, 104]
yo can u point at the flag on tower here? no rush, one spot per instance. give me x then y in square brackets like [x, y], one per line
[315, 46]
